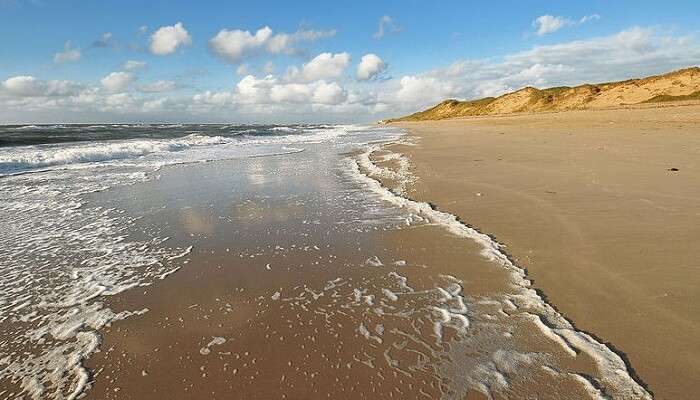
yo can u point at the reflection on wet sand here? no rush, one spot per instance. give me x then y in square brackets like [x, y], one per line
[308, 286]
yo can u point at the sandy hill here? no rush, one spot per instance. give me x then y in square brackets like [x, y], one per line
[678, 85]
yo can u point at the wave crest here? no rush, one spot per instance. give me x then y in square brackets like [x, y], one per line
[37, 158]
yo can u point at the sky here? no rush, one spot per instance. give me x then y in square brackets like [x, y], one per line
[317, 61]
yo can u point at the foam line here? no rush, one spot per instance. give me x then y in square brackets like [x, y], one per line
[613, 370]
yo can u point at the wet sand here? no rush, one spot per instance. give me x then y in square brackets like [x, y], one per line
[590, 203]
[303, 288]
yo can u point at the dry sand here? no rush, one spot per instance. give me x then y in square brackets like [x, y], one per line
[588, 202]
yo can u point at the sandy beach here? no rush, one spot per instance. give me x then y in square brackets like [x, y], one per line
[603, 210]
[504, 258]
[309, 284]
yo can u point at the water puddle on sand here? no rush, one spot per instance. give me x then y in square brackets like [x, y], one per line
[309, 280]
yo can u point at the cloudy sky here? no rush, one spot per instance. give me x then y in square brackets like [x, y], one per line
[287, 61]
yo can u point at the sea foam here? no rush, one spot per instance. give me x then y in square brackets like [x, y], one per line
[614, 375]
[23, 159]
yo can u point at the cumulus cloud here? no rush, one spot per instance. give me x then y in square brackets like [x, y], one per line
[207, 100]
[545, 24]
[270, 90]
[134, 65]
[24, 85]
[323, 66]
[251, 90]
[290, 93]
[424, 89]
[232, 45]
[167, 39]
[159, 87]
[370, 66]
[68, 54]
[29, 86]
[311, 92]
[235, 45]
[328, 93]
[119, 102]
[117, 81]
[386, 25]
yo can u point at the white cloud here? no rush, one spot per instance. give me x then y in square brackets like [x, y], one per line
[386, 25]
[213, 98]
[291, 93]
[235, 45]
[492, 88]
[588, 18]
[370, 66]
[119, 102]
[631, 53]
[424, 89]
[159, 87]
[324, 66]
[270, 91]
[133, 65]
[155, 105]
[167, 39]
[548, 23]
[68, 54]
[164, 104]
[232, 45]
[634, 52]
[251, 90]
[29, 86]
[24, 85]
[625, 47]
[117, 81]
[328, 93]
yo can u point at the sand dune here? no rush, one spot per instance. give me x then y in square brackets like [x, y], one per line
[678, 85]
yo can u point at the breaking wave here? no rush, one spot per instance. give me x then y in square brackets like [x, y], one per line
[45, 157]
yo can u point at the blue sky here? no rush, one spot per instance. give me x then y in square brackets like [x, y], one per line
[65, 61]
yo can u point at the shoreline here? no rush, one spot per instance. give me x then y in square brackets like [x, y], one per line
[505, 173]
[348, 259]
[494, 251]
[491, 244]
[434, 248]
